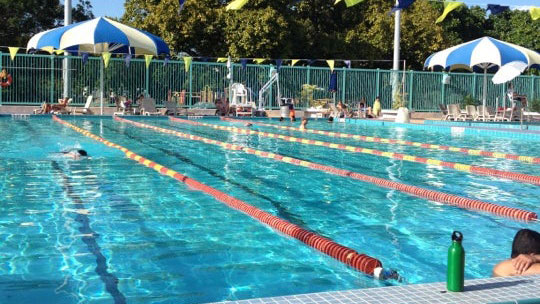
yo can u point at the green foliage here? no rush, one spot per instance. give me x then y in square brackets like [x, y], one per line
[23, 18]
[399, 100]
[535, 105]
[469, 101]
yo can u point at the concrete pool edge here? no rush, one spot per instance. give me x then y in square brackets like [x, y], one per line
[458, 129]
[488, 290]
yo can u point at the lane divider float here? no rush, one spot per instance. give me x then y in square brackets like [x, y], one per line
[441, 197]
[348, 256]
[520, 177]
[521, 158]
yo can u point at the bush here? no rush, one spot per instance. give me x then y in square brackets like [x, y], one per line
[535, 105]
[399, 101]
[469, 101]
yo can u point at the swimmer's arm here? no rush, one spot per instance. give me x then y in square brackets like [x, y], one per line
[507, 268]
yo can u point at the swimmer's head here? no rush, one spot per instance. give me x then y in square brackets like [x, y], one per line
[82, 153]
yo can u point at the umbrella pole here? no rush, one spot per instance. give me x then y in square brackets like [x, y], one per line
[101, 86]
[484, 94]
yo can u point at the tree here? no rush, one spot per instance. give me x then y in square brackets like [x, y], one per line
[24, 18]
[516, 27]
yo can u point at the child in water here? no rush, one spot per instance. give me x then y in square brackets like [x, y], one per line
[303, 124]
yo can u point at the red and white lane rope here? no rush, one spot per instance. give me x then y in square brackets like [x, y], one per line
[441, 197]
[522, 158]
[361, 262]
[520, 177]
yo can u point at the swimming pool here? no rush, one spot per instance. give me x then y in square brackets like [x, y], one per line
[108, 228]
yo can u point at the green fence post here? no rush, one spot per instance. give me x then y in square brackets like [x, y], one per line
[343, 85]
[411, 87]
[52, 81]
[191, 85]
[532, 88]
[377, 82]
[308, 75]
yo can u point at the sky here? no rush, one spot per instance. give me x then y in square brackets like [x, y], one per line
[115, 8]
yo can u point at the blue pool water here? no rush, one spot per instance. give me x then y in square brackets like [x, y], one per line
[108, 230]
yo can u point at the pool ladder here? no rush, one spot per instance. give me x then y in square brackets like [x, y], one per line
[20, 116]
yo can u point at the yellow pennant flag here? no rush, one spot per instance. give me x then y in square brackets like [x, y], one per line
[294, 61]
[331, 64]
[448, 7]
[106, 57]
[222, 59]
[236, 4]
[49, 49]
[148, 59]
[13, 52]
[259, 60]
[535, 13]
[187, 63]
[59, 52]
[349, 3]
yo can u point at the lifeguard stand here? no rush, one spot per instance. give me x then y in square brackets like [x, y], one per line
[241, 100]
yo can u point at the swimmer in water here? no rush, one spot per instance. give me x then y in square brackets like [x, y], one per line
[303, 125]
[248, 124]
[74, 153]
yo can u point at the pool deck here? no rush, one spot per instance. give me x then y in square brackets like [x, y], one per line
[505, 290]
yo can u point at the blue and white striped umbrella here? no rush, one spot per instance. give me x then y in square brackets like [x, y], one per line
[483, 53]
[97, 36]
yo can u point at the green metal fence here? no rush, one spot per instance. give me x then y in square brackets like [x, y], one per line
[38, 78]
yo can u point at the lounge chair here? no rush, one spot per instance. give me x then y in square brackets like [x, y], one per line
[454, 112]
[148, 107]
[471, 113]
[86, 108]
[444, 111]
[486, 113]
[172, 109]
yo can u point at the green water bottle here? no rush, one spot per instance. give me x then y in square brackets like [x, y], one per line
[456, 264]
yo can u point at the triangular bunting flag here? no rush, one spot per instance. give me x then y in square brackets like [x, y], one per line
[294, 61]
[59, 52]
[236, 4]
[147, 60]
[187, 63]
[331, 64]
[279, 62]
[204, 59]
[49, 49]
[166, 60]
[181, 3]
[535, 13]
[310, 61]
[243, 62]
[13, 52]
[448, 7]
[84, 58]
[402, 4]
[349, 3]
[222, 59]
[347, 63]
[106, 57]
[496, 9]
[127, 60]
[259, 60]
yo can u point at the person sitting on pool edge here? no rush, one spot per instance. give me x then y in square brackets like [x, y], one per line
[292, 113]
[376, 111]
[525, 256]
[303, 124]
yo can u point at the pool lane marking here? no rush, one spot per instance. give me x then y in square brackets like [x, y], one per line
[348, 256]
[520, 177]
[382, 140]
[448, 199]
[89, 238]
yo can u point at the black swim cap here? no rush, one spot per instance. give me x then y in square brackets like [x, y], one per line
[82, 153]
